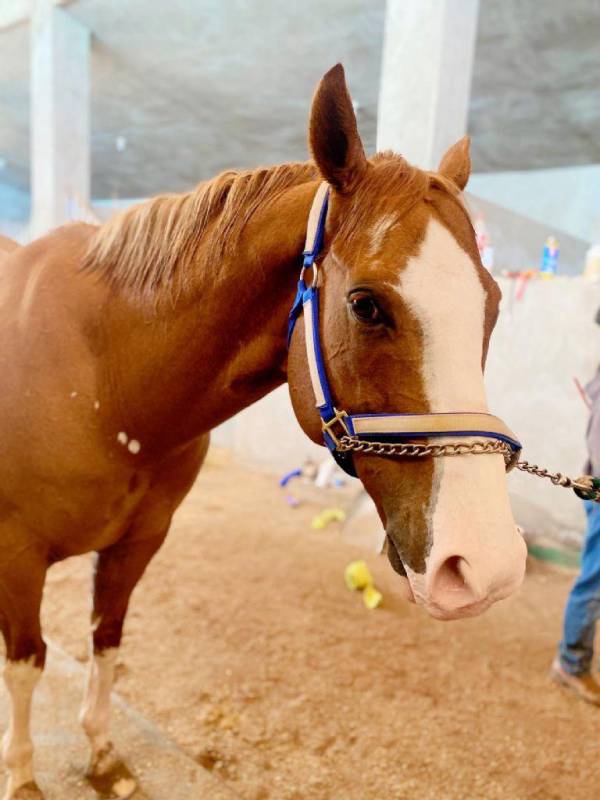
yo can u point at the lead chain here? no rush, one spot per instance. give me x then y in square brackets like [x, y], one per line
[586, 487]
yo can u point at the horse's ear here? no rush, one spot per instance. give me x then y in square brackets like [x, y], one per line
[333, 135]
[456, 163]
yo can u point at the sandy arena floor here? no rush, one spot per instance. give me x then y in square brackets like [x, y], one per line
[244, 644]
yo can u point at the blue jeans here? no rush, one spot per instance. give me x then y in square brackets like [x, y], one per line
[583, 606]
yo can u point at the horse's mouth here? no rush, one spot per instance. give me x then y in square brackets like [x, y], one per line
[396, 562]
[393, 556]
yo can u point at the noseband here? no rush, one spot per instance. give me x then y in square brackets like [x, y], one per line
[383, 434]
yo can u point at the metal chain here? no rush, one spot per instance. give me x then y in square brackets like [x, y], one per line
[347, 443]
[583, 484]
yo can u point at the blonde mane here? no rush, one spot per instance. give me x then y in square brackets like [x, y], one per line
[153, 244]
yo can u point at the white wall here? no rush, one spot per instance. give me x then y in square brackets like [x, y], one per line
[518, 240]
[566, 198]
[540, 343]
[267, 434]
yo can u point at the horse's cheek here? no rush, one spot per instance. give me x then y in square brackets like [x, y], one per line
[300, 387]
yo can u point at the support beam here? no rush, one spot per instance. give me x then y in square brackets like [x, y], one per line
[60, 115]
[426, 77]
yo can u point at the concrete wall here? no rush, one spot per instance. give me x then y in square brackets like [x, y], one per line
[564, 199]
[267, 434]
[518, 241]
[541, 342]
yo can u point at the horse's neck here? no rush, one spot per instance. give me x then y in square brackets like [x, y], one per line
[222, 346]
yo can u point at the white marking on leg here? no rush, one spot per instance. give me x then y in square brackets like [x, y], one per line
[134, 446]
[21, 678]
[95, 710]
[471, 518]
[122, 438]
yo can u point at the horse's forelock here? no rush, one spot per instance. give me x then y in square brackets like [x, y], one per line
[391, 186]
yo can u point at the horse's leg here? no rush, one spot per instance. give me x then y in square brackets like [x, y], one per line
[117, 571]
[21, 587]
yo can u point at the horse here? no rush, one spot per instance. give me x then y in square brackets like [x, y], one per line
[7, 245]
[124, 344]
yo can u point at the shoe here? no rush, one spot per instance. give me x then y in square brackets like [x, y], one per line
[582, 685]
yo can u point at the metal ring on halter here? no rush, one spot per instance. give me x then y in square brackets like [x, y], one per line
[315, 274]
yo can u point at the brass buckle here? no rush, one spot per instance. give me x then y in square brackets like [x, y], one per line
[338, 419]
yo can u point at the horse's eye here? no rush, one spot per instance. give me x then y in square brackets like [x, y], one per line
[364, 308]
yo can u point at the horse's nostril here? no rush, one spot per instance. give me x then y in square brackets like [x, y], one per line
[450, 583]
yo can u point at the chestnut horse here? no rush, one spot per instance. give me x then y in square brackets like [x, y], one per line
[124, 345]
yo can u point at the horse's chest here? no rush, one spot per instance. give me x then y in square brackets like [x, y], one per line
[103, 516]
[84, 514]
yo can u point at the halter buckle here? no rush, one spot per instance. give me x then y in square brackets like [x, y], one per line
[338, 419]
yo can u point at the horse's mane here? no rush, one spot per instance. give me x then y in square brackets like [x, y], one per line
[150, 244]
[153, 244]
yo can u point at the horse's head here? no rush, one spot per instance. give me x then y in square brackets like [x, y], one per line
[406, 313]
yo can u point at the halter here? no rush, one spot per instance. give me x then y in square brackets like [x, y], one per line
[382, 434]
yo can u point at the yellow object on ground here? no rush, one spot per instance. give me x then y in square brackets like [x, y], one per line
[325, 517]
[358, 576]
[371, 597]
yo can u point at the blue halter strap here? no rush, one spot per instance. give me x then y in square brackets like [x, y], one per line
[386, 428]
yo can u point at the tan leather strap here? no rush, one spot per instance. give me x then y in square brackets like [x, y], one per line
[430, 423]
[312, 227]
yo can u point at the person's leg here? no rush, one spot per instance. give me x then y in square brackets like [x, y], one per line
[583, 606]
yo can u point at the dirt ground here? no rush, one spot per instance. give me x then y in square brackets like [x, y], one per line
[244, 644]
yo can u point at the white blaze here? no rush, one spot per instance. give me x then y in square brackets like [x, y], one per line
[441, 287]
[471, 515]
[378, 232]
